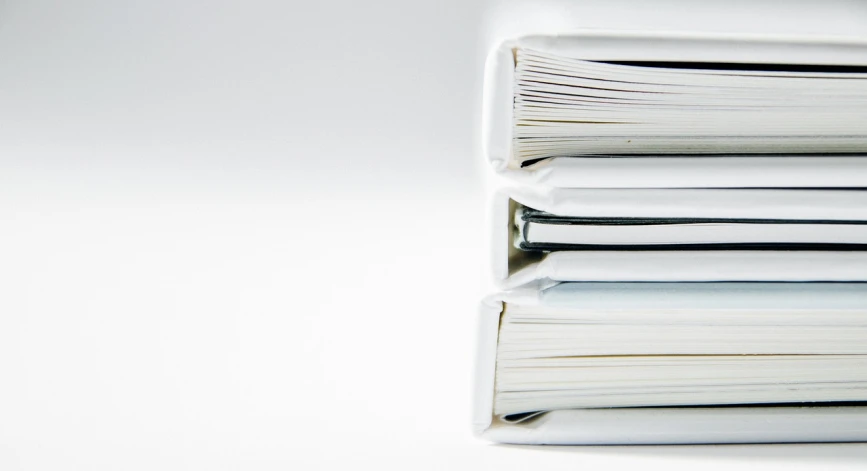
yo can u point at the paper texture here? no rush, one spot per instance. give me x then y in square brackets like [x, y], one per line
[689, 172]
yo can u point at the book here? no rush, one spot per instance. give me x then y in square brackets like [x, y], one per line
[568, 234]
[645, 110]
[767, 354]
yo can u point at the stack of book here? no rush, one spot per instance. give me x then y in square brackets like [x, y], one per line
[683, 253]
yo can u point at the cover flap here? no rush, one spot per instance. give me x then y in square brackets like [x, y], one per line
[655, 426]
[701, 47]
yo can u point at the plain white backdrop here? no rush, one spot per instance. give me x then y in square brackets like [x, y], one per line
[227, 231]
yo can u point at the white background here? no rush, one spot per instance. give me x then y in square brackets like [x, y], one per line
[228, 231]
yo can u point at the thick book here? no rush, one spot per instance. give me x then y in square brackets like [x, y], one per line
[674, 363]
[636, 110]
[567, 234]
